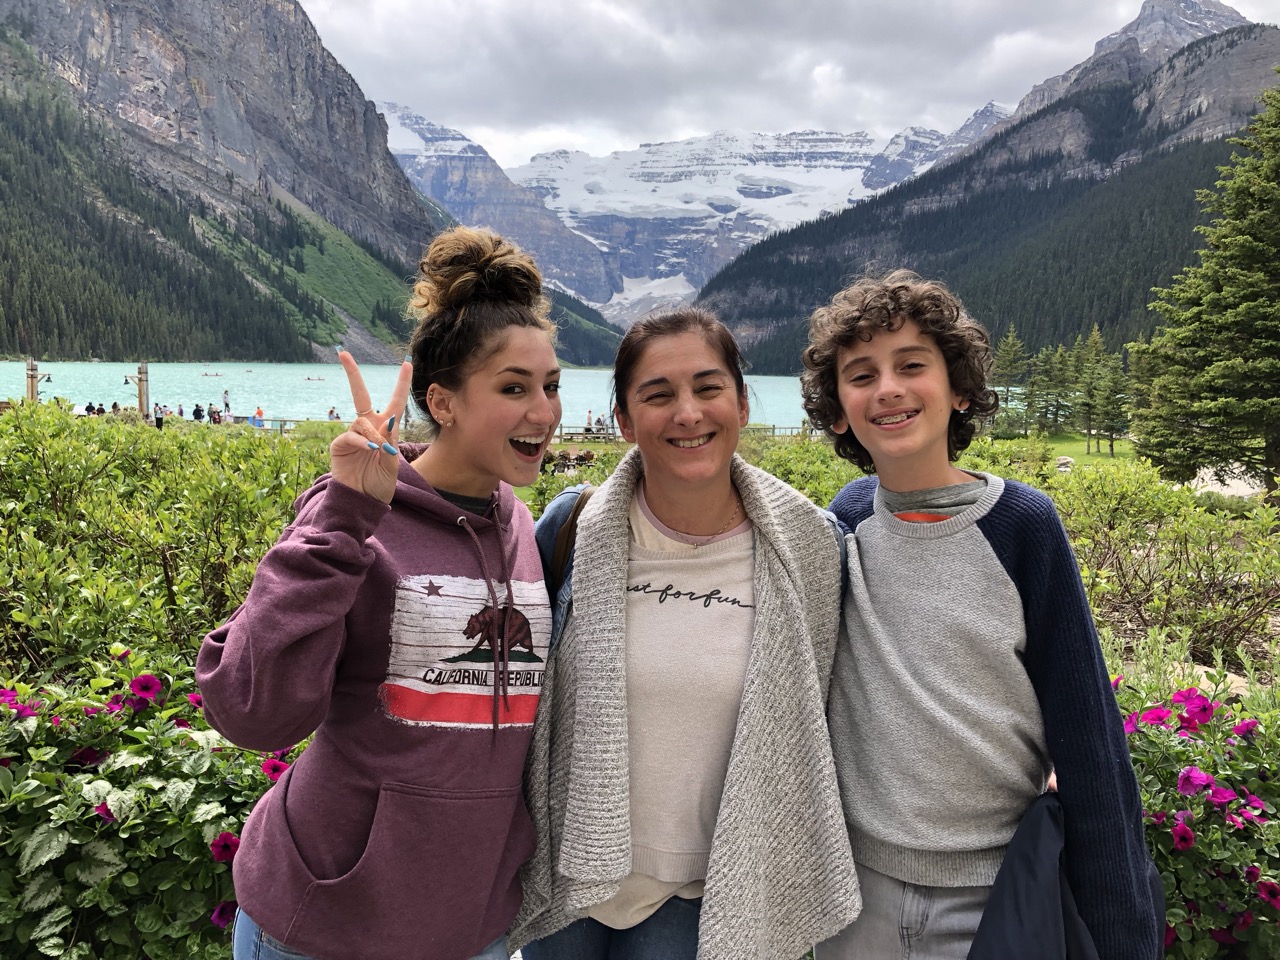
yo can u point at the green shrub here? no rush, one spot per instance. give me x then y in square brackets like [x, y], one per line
[1153, 558]
[122, 812]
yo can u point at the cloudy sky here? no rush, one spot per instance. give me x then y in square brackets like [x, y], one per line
[522, 76]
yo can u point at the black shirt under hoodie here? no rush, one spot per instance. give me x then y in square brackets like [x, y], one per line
[398, 832]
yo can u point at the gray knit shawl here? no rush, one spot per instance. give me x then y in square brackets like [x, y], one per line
[781, 874]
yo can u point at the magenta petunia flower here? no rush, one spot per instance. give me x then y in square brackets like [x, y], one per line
[1199, 709]
[115, 704]
[25, 710]
[1188, 724]
[1159, 817]
[146, 685]
[1157, 716]
[223, 913]
[85, 758]
[138, 704]
[104, 812]
[1269, 891]
[1184, 838]
[1252, 873]
[90, 711]
[7, 695]
[1223, 936]
[1182, 816]
[1170, 935]
[196, 700]
[1115, 681]
[182, 723]
[122, 656]
[1192, 780]
[1184, 696]
[1131, 723]
[224, 847]
[1244, 920]
[1245, 728]
[273, 768]
[1252, 817]
[1255, 802]
[1222, 796]
[1234, 822]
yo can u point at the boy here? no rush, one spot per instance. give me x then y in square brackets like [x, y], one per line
[973, 669]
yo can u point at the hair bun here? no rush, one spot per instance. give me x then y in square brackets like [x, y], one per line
[465, 265]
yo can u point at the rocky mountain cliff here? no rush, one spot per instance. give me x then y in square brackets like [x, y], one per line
[1161, 28]
[236, 102]
[459, 174]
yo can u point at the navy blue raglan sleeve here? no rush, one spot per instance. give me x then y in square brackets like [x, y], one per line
[855, 502]
[1108, 865]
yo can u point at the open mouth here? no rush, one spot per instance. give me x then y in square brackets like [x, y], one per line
[692, 442]
[528, 446]
[895, 418]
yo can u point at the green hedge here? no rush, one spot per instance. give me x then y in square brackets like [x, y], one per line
[120, 546]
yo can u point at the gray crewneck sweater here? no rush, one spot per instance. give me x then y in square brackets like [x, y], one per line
[934, 671]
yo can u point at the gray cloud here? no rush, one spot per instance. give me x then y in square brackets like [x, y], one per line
[519, 76]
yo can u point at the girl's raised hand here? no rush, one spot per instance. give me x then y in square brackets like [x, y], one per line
[365, 457]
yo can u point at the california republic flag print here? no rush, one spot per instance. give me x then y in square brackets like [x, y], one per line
[444, 632]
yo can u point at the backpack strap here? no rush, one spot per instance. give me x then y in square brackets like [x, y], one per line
[565, 538]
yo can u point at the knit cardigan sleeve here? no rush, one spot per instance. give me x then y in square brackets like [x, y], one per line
[1112, 876]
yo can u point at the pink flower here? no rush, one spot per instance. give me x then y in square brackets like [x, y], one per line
[1269, 891]
[223, 913]
[1184, 838]
[1185, 696]
[1192, 780]
[196, 700]
[273, 768]
[8, 696]
[224, 847]
[1157, 716]
[1115, 682]
[1187, 724]
[1255, 802]
[1244, 920]
[56, 721]
[1234, 822]
[281, 754]
[1199, 709]
[1252, 817]
[1131, 723]
[182, 723]
[1223, 936]
[146, 685]
[138, 704]
[1170, 935]
[1182, 816]
[115, 704]
[122, 656]
[1222, 796]
[1245, 728]
[104, 812]
[90, 711]
[1252, 873]
[86, 757]
[25, 710]
[1159, 817]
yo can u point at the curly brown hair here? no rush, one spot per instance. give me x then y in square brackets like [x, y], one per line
[873, 304]
[472, 286]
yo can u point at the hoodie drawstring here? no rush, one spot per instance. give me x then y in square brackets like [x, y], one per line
[501, 661]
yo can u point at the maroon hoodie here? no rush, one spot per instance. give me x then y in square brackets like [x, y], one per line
[398, 833]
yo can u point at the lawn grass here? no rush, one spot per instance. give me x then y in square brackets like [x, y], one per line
[1072, 445]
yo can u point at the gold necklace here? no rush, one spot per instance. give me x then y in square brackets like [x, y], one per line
[703, 541]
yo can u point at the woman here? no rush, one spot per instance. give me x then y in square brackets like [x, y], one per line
[402, 618]
[681, 778]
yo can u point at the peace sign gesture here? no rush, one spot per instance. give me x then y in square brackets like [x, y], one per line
[364, 457]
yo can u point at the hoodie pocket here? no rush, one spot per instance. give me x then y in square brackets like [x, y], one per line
[427, 877]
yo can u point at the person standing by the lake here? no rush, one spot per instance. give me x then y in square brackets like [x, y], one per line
[681, 777]
[403, 619]
[971, 668]
[226, 402]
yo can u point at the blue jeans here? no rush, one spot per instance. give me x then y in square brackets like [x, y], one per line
[250, 942]
[670, 933]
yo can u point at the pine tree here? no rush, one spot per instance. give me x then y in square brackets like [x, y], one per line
[1212, 398]
[1010, 364]
[1090, 361]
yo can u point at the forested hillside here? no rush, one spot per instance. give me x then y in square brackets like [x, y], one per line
[1053, 261]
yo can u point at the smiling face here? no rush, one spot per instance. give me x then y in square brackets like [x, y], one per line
[502, 418]
[896, 397]
[683, 411]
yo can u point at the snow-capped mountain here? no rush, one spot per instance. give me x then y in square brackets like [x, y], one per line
[672, 214]
[457, 172]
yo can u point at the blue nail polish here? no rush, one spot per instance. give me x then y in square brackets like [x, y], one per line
[390, 449]
[391, 423]
[337, 348]
[374, 446]
[408, 358]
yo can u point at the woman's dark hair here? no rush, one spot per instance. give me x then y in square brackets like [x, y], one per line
[472, 286]
[671, 323]
[873, 304]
